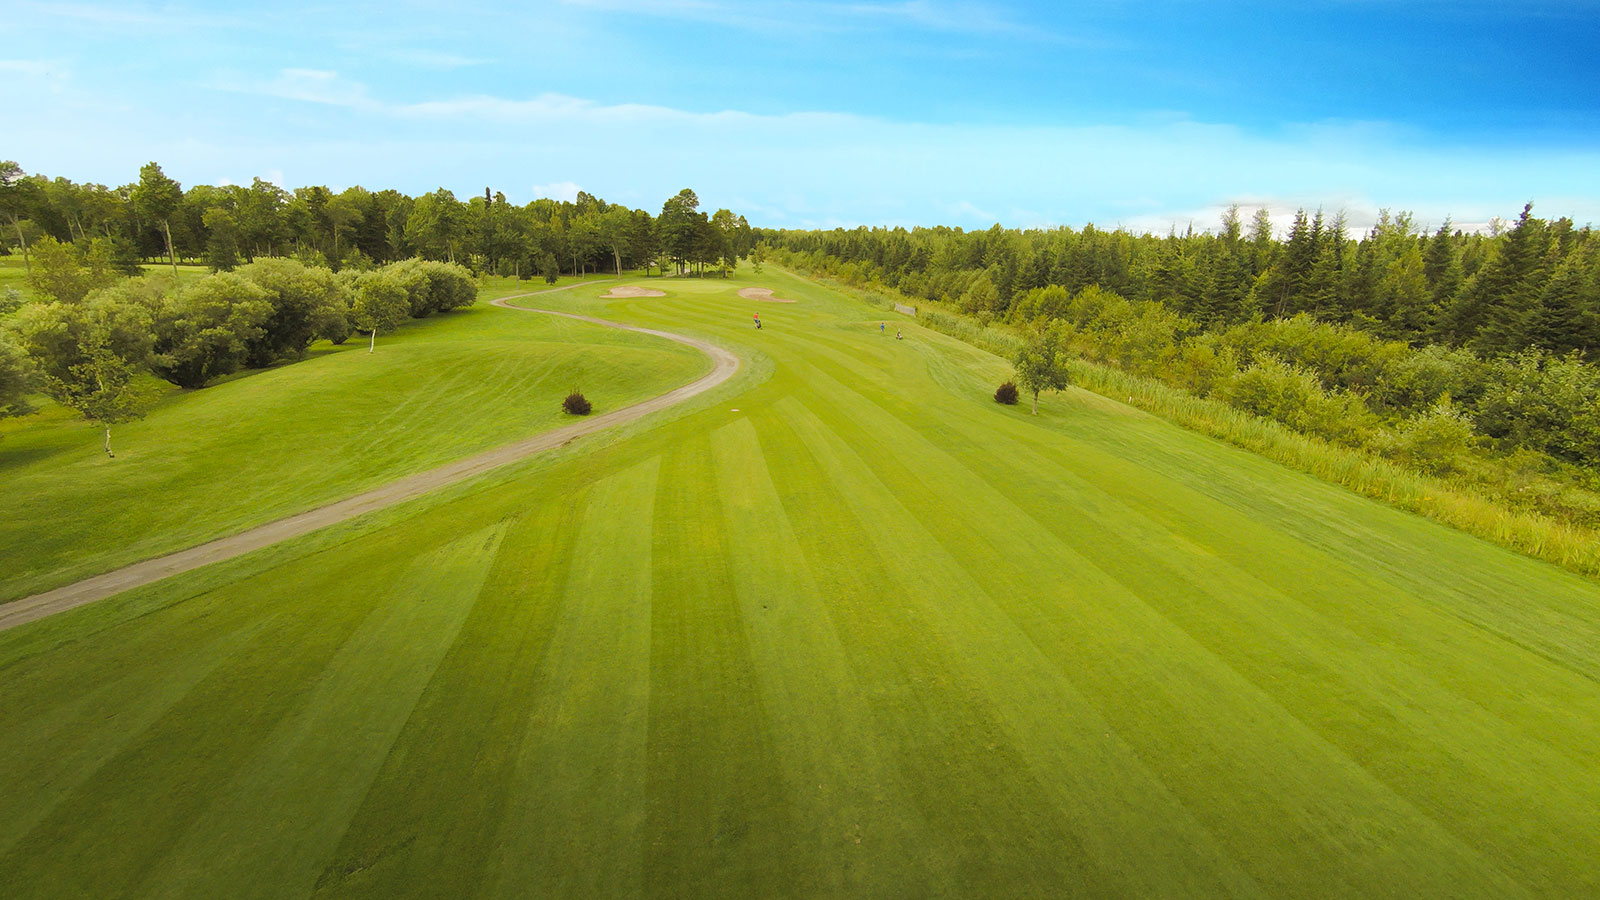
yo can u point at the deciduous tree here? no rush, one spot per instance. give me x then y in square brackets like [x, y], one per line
[307, 303]
[61, 272]
[18, 195]
[1041, 364]
[378, 304]
[88, 355]
[203, 330]
[156, 198]
[16, 378]
[222, 240]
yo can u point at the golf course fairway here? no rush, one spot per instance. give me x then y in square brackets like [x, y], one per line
[840, 627]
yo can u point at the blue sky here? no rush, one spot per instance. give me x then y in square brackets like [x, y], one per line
[815, 113]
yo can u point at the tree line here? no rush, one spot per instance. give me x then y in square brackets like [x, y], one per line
[225, 226]
[92, 334]
[1530, 283]
[287, 268]
[1467, 355]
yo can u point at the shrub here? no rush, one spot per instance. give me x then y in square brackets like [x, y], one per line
[1435, 441]
[1006, 394]
[576, 404]
[1272, 388]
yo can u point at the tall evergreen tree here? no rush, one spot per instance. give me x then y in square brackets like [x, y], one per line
[1442, 266]
[1568, 317]
[1506, 292]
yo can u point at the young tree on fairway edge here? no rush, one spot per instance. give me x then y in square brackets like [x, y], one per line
[380, 304]
[89, 356]
[1041, 365]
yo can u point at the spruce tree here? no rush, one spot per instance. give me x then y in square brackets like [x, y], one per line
[1508, 288]
[1568, 317]
[1442, 266]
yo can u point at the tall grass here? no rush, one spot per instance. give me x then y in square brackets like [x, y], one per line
[1568, 545]
[1572, 546]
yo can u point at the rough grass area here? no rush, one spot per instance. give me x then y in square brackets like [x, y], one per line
[270, 443]
[846, 628]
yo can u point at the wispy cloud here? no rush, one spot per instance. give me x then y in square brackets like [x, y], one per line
[322, 86]
[434, 59]
[559, 190]
[164, 16]
[829, 15]
[33, 68]
[842, 168]
[329, 88]
[967, 211]
[52, 74]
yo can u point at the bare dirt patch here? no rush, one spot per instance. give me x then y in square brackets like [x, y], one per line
[764, 294]
[629, 290]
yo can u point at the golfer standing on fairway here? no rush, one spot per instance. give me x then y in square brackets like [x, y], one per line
[758, 320]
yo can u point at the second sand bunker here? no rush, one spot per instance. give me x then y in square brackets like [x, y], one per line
[761, 294]
[628, 290]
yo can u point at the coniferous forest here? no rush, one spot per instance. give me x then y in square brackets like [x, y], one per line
[1465, 354]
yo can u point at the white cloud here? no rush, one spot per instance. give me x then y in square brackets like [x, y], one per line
[316, 86]
[966, 211]
[825, 169]
[559, 190]
[807, 16]
[33, 68]
[435, 59]
[130, 15]
[52, 74]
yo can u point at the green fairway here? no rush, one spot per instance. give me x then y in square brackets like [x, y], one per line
[13, 275]
[270, 443]
[843, 627]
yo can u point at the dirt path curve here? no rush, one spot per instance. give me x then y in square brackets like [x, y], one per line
[38, 606]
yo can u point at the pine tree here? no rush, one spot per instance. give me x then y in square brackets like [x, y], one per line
[1299, 257]
[1568, 317]
[1507, 289]
[1263, 249]
[1325, 286]
[1408, 304]
[1442, 266]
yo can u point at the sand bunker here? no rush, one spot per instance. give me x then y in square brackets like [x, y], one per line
[629, 290]
[761, 294]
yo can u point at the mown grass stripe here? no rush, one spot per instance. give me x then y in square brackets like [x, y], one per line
[110, 832]
[55, 734]
[579, 792]
[335, 743]
[460, 745]
[718, 822]
[947, 691]
[848, 803]
[1179, 708]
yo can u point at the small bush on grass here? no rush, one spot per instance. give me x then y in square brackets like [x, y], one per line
[576, 404]
[1006, 394]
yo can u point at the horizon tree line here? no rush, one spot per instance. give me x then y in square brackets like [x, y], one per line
[225, 226]
[1534, 283]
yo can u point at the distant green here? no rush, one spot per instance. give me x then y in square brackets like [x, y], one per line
[845, 628]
